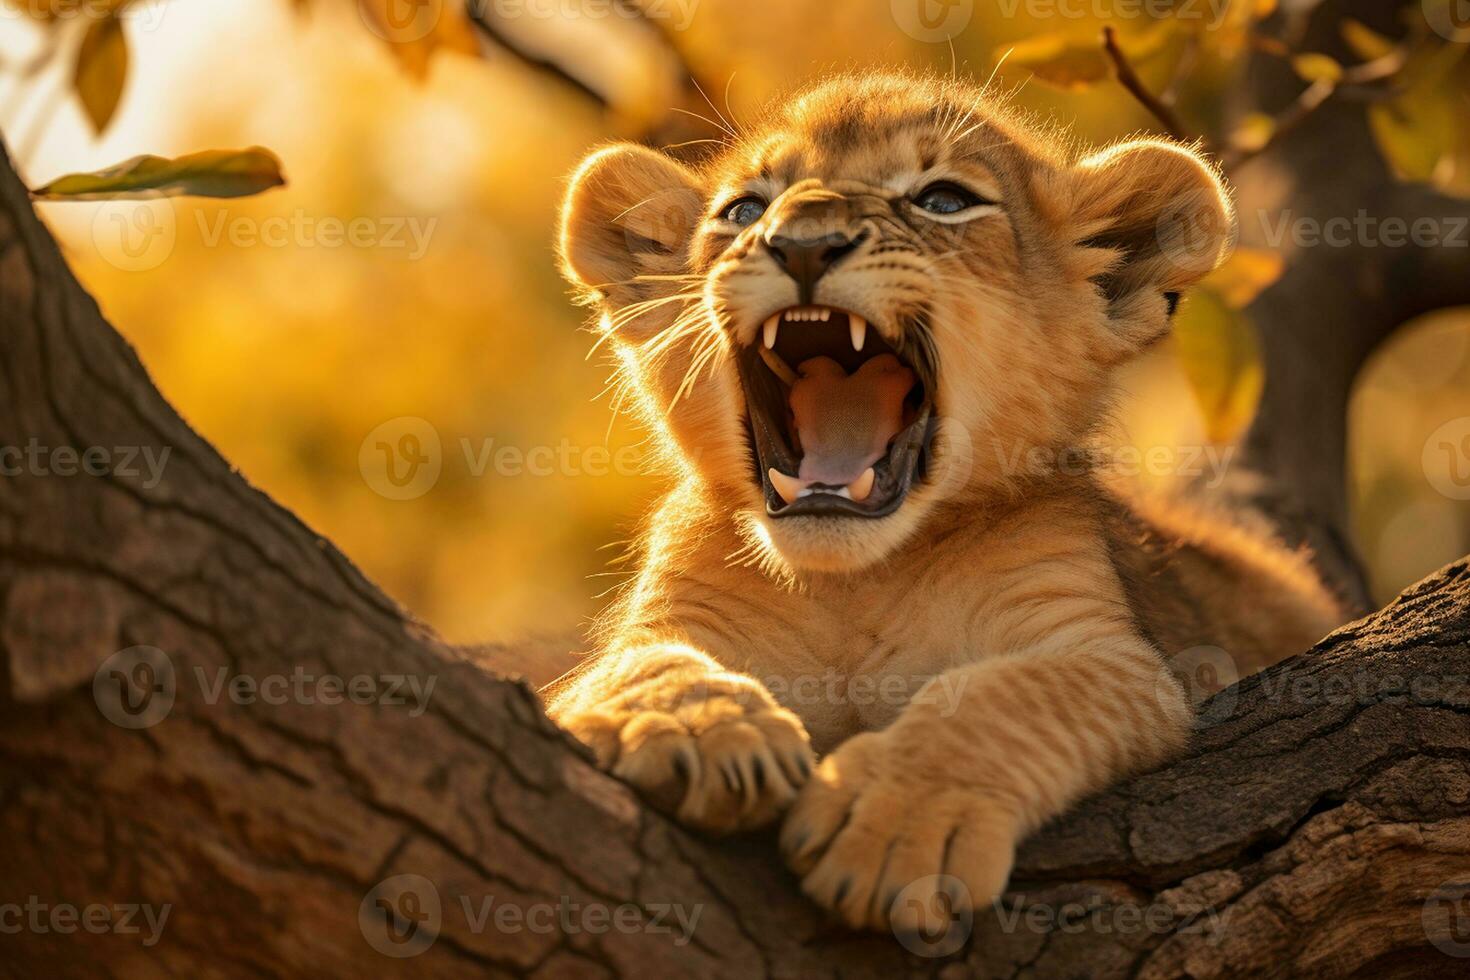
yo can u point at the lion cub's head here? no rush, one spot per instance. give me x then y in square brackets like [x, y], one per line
[876, 301]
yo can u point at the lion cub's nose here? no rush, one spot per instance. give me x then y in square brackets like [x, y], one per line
[806, 260]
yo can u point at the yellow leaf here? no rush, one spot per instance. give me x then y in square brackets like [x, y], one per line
[1077, 61]
[1231, 29]
[1221, 359]
[1062, 61]
[102, 70]
[1253, 132]
[1424, 133]
[1366, 43]
[415, 29]
[1244, 276]
[1313, 67]
[211, 173]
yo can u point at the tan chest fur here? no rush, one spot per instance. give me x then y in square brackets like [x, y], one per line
[847, 653]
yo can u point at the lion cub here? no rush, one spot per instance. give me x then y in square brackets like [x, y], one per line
[853, 332]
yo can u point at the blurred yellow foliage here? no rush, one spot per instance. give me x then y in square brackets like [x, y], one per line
[404, 283]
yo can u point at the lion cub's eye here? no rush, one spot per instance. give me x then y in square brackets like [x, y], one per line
[746, 211]
[947, 198]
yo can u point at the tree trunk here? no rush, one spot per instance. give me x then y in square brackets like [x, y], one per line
[166, 750]
[1336, 305]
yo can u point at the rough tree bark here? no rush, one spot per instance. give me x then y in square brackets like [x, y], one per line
[1318, 825]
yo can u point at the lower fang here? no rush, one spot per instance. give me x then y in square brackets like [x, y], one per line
[862, 486]
[789, 487]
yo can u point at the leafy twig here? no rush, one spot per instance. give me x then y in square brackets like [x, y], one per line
[1129, 79]
[1311, 99]
[482, 17]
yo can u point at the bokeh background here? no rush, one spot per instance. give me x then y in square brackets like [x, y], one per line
[443, 318]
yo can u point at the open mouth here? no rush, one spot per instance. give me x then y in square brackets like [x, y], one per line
[839, 417]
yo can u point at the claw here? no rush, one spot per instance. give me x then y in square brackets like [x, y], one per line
[842, 889]
[732, 777]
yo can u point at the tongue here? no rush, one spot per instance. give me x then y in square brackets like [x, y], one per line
[844, 423]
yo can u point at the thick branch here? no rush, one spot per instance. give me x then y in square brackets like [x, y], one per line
[264, 828]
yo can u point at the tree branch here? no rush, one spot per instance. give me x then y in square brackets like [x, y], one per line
[1129, 79]
[1316, 828]
[484, 20]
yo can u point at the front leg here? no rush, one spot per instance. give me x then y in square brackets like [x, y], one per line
[905, 827]
[705, 744]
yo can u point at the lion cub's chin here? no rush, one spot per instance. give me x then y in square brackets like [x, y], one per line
[838, 545]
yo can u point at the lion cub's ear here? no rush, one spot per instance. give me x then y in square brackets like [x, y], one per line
[629, 211]
[1160, 218]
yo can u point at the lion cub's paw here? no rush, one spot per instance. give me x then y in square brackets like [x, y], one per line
[887, 845]
[718, 761]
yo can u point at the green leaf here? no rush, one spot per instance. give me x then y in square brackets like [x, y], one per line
[212, 173]
[101, 70]
[1313, 67]
[1221, 359]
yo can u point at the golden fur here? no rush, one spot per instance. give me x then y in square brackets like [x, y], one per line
[996, 648]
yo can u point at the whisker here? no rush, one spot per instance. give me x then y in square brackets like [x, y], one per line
[706, 119]
[731, 128]
[705, 353]
[681, 145]
[616, 322]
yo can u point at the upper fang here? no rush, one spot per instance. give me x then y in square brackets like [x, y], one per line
[772, 324]
[859, 328]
